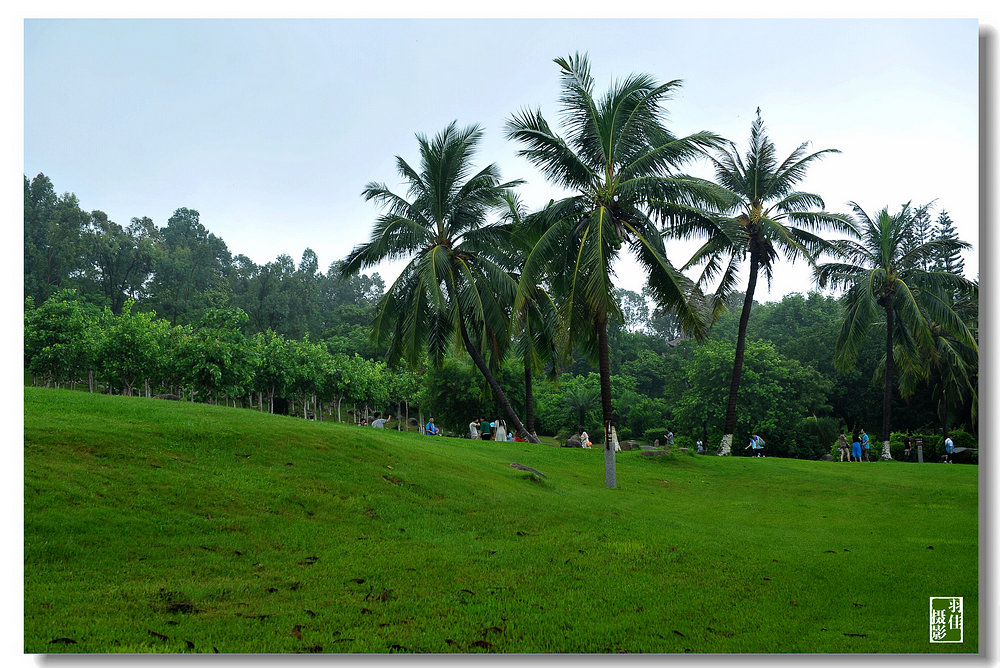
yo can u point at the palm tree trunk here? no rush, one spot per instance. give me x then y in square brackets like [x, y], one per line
[494, 385]
[726, 445]
[890, 364]
[529, 398]
[604, 367]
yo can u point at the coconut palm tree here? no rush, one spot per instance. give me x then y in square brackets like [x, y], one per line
[455, 280]
[950, 366]
[883, 274]
[769, 218]
[535, 323]
[619, 163]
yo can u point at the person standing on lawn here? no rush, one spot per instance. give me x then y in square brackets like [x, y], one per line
[843, 447]
[855, 447]
[865, 446]
[485, 429]
[949, 449]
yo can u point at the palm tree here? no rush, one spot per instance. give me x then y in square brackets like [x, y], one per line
[768, 217]
[455, 278]
[618, 161]
[882, 273]
[950, 366]
[535, 324]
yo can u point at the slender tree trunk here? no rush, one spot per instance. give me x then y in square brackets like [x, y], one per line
[529, 399]
[725, 446]
[944, 410]
[890, 365]
[494, 385]
[604, 367]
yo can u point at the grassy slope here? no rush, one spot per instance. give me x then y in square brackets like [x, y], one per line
[155, 526]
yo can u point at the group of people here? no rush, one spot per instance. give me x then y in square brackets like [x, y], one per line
[860, 448]
[482, 429]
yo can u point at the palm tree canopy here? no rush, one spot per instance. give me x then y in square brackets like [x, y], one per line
[620, 163]
[455, 267]
[882, 271]
[766, 217]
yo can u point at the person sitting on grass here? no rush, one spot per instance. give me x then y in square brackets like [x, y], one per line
[431, 429]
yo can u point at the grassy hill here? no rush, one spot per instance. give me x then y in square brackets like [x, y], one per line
[155, 526]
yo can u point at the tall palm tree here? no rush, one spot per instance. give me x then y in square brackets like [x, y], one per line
[455, 279]
[883, 274]
[618, 160]
[768, 218]
[535, 324]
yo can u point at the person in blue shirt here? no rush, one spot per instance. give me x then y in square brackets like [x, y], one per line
[855, 447]
[757, 443]
[865, 446]
[949, 449]
[431, 429]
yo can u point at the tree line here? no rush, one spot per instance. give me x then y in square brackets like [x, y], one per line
[526, 298]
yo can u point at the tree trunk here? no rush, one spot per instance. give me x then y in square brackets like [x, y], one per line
[725, 446]
[890, 364]
[604, 367]
[529, 398]
[494, 385]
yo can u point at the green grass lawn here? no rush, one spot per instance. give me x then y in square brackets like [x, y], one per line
[157, 526]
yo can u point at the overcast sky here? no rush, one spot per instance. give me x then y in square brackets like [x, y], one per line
[272, 128]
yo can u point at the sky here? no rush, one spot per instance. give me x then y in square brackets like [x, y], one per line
[272, 128]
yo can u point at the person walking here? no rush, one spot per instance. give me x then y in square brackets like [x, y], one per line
[865, 446]
[843, 447]
[474, 430]
[855, 447]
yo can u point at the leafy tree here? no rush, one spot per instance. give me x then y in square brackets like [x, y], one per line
[454, 279]
[881, 276]
[56, 343]
[130, 347]
[53, 239]
[189, 269]
[453, 394]
[769, 217]
[620, 162]
[217, 357]
[777, 394]
[273, 373]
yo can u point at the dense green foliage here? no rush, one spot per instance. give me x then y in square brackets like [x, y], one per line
[144, 309]
[156, 526]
